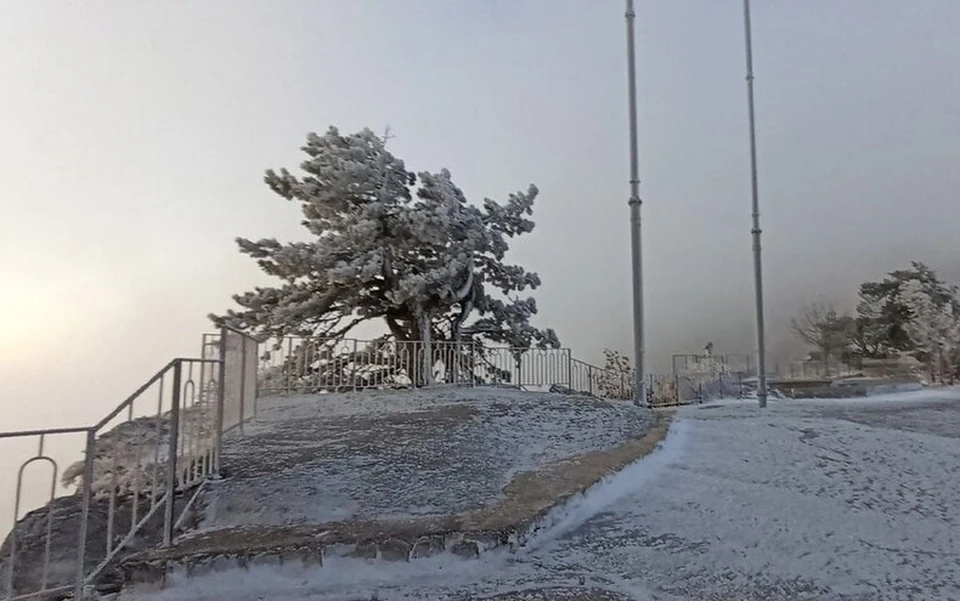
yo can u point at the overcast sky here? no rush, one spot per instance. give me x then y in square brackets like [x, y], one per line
[134, 135]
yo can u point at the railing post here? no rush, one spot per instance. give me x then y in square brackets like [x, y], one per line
[256, 379]
[288, 362]
[87, 494]
[473, 363]
[353, 376]
[590, 378]
[221, 398]
[569, 369]
[172, 455]
[243, 380]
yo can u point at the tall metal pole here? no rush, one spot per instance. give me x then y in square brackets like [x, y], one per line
[634, 203]
[757, 265]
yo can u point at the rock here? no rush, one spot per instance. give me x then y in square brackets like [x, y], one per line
[311, 558]
[394, 549]
[364, 551]
[265, 559]
[199, 567]
[428, 546]
[221, 563]
[488, 540]
[466, 549]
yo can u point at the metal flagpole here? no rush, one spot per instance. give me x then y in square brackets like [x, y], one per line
[634, 203]
[757, 265]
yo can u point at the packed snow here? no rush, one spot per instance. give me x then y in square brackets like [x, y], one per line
[826, 500]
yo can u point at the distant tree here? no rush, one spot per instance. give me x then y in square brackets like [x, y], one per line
[883, 316]
[822, 328]
[616, 380]
[388, 244]
[933, 327]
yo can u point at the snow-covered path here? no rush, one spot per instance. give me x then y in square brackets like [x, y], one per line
[794, 503]
[850, 500]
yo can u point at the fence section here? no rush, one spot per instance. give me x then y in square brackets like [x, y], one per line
[26, 564]
[295, 365]
[136, 463]
[817, 370]
[166, 437]
[524, 367]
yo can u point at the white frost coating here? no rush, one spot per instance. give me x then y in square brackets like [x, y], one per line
[806, 500]
[388, 244]
[400, 454]
[339, 578]
[610, 490]
[933, 326]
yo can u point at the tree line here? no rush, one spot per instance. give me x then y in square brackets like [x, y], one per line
[909, 313]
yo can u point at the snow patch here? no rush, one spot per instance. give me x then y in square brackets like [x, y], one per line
[339, 578]
[611, 489]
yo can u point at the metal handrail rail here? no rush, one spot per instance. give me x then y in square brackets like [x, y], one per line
[173, 477]
[134, 396]
[47, 432]
[242, 333]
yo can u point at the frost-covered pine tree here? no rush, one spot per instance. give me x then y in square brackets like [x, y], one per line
[933, 327]
[388, 244]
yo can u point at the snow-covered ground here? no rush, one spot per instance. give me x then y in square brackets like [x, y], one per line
[827, 500]
[401, 454]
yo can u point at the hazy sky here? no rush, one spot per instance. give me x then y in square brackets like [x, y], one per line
[134, 135]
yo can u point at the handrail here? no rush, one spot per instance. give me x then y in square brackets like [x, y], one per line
[145, 386]
[242, 333]
[193, 457]
[134, 396]
[49, 431]
[585, 364]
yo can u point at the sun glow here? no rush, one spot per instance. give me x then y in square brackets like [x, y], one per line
[29, 325]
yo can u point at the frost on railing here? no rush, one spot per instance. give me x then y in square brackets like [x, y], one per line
[295, 365]
[129, 458]
[36, 505]
[308, 365]
[161, 441]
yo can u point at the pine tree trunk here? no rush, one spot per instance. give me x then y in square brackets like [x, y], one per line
[427, 363]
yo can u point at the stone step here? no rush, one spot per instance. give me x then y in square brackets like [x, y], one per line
[153, 571]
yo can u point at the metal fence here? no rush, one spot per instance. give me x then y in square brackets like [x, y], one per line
[294, 365]
[129, 487]
[818, 370]
[712, 364]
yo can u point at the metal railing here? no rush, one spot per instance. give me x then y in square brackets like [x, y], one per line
[815, 370]
[163, 440]
[703, 363]
[294, 365]
[166, 438]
